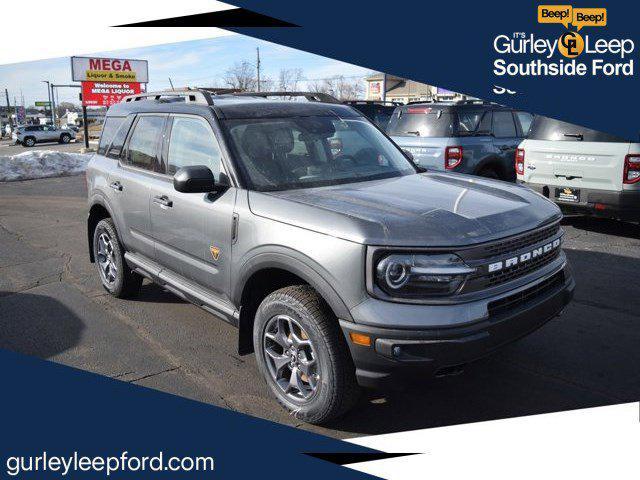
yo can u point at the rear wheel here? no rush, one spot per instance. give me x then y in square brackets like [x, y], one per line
[489, 172]
[303, 356]
[29, 142]
[116, 276]
[65, 138]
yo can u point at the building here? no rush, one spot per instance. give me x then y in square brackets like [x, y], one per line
[401, 90]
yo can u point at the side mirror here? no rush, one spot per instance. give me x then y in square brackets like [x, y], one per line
[194, 179]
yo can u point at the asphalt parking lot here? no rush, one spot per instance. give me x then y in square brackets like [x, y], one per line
[7, 147]
[52, 306]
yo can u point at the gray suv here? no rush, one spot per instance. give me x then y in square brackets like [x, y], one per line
[474, 137]
[30, 135]
[342, 268]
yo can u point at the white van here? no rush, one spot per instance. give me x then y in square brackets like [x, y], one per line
[582, 170]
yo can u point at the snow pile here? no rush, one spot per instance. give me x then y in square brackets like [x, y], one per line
[42, 164]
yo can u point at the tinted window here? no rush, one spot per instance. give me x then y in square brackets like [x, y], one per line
[544, 128]
[525, 120]
[109, 130]
[143, 144]
[32, 129]
[119, 138]
[503, 125]
[192, 143]
[468, 121]
[421, 122]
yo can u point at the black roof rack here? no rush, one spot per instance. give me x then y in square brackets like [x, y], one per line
[187, 95]
[310, 96]
[372, 102]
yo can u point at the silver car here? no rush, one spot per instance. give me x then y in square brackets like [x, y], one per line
[29, 135]
[342, 268]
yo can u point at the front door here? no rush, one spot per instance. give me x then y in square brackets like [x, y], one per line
[193, 231]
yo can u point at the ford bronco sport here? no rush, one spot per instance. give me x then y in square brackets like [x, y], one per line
[470, 136]
[341, 268]
[582, 170]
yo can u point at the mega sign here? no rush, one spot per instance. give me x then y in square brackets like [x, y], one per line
[105, 94]
[98, 69]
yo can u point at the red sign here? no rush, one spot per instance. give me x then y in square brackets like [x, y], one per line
[105, 94]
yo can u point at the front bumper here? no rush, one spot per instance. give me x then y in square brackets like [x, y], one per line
[623, 204]
[399, 356]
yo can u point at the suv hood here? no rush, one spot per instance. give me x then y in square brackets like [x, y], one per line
[428, 209]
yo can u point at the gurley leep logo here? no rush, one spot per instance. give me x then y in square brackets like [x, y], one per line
[572, 53]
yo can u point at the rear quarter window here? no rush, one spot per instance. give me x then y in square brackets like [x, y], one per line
[544, 128]
[109, 129]
[420, 121]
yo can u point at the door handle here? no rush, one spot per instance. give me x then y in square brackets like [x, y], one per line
[117, 186]
[163, 201]
[504, 147]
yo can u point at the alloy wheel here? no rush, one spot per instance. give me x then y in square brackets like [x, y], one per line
[291, 358]
[106, 259]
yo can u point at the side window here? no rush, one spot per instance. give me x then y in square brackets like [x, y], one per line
[485, 123]
[192, 142]
[109, 131]
[503, 125]
[525, 119]
[115, 149]
[142, 151]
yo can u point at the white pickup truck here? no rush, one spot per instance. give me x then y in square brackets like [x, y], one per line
[582, 170]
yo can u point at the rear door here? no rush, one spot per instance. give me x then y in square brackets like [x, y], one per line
[139, 165]
[192, 231]
[563, 155]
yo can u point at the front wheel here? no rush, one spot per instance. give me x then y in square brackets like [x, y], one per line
[116, 276]
[303, 356]
[65, 138]
[29, 142]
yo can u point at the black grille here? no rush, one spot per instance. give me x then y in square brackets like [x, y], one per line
[504, 275]
[514, 244]
[507, 304]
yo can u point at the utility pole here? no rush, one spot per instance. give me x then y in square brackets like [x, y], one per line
[258, 66]
[6, 93]
[49, 94]
[384, 87]
[53, 105]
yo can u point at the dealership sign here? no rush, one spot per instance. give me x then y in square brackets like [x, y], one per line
[98, 69]
[105, 94]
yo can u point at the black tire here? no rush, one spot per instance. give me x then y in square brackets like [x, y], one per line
[337, 390]
[125, 283]
[29, 142]
[65, 138]
[489, 172]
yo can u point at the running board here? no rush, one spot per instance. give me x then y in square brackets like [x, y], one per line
[183, 288]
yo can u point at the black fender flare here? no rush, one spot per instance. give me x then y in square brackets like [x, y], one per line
[291, 261]
[493, 161]
[101, 200]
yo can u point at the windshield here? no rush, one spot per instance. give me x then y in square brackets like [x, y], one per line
[544, 128]
[304, 152]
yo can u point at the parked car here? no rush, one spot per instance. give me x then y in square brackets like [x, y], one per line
[377, 111]
[582, 170]
[30, 135]
[340, 270]
[474, 137]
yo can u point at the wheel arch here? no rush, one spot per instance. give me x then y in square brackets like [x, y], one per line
[266, 272]
[494, 162]
[98, 211]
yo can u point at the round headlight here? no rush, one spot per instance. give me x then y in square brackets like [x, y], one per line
[396, 274]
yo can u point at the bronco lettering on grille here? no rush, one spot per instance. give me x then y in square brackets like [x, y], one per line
[524, 257]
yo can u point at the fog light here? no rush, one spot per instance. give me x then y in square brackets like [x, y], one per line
[360, 339]
[397, 351]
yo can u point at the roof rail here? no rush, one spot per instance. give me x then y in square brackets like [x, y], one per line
[474, 102]
[187, 95]
[310, 96]
[372, 102]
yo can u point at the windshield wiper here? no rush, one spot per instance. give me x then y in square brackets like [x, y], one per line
[414, 132]
[579, 136]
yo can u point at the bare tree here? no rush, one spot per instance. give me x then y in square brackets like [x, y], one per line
[289, 79]
[241, 76]
[340, 87]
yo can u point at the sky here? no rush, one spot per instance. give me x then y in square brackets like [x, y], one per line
[194, 63]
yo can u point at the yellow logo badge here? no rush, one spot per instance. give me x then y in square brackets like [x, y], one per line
[571, 44]
[215, 252]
